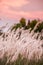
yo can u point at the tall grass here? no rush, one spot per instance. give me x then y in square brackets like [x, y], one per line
[21, 61]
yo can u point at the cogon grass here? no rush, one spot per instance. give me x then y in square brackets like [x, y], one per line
[21, 61]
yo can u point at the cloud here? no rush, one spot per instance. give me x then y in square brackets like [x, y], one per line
[15, 3]
[15, 9]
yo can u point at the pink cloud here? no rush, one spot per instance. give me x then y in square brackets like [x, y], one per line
[14, 3]
[14, 14]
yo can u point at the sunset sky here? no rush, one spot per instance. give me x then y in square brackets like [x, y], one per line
[13, 10]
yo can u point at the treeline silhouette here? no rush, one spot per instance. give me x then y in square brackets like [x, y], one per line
[30, 24]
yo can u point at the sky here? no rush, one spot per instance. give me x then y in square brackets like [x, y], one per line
[14, 10]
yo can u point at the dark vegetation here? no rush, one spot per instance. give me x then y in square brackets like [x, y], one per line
[1, 32]
[30, 24]
[19, 25]
[39, 27]
[21, 61]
